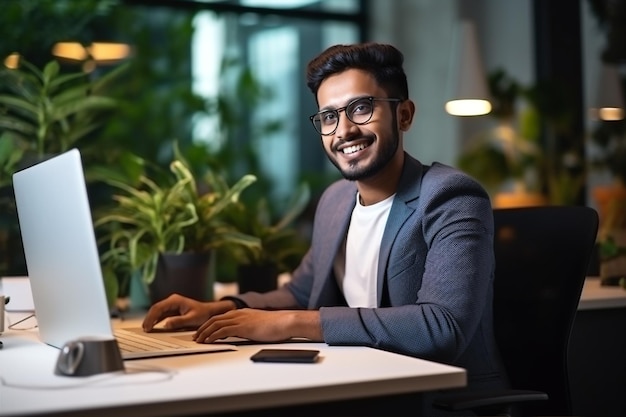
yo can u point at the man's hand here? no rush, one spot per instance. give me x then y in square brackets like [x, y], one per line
[261, 325]
[183, 313]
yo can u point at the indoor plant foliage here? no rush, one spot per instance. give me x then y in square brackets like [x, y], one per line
[151, 220]
[613, 261]
[536, 158]
[282, 246]
[46, 111]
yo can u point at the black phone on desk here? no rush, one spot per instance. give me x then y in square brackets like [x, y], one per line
[286, 355]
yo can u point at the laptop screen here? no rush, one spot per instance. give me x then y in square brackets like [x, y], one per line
[60, 250]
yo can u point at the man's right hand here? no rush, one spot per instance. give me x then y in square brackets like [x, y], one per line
[181, 312]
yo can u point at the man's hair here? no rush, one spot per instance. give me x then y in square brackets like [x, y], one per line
[383, 61]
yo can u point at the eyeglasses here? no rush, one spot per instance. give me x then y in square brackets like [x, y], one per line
[359, 111]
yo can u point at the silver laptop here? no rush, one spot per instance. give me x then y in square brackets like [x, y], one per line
[64, 265]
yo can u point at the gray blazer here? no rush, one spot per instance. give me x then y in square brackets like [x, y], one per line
[435, 273]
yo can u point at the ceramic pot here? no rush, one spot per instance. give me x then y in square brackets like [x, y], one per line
[187, 274]
[257, 278]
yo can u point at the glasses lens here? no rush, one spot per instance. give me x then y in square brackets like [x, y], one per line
[360, 111]
[325, 122]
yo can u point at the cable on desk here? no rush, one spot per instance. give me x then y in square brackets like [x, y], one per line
[111, 379]
[12, 326]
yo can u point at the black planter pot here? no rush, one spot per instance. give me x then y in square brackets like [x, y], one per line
[257, 278]
[187, 274]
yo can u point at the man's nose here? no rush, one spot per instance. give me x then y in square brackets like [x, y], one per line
[344, 125]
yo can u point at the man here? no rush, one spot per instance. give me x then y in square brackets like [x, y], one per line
[401, 256]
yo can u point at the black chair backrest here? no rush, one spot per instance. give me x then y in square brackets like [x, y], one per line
[542, 254]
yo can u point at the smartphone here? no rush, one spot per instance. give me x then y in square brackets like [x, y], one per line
[286, 355]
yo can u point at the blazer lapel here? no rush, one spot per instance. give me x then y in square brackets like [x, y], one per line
[333, 230]
[403, 206]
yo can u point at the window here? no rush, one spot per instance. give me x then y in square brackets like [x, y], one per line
[274, 41]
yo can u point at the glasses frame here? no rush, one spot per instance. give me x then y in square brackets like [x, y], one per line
[340, 109]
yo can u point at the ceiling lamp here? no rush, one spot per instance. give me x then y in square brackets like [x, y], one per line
[609, 104]
[108, 51]
[471, 96]
[100, 52]
[70, 50]
[12, 61]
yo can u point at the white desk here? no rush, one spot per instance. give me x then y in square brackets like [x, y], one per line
[211, 383]
[596, 296]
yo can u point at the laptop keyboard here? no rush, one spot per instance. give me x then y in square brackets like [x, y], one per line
[129, 341]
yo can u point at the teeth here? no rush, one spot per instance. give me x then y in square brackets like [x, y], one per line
[353, 149]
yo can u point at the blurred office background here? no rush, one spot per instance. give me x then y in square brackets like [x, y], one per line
[183, 43]
[226, 79]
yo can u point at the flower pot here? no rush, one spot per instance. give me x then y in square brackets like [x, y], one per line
[257, 278]
[187, 274]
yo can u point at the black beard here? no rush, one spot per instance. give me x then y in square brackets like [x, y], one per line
[382, 159]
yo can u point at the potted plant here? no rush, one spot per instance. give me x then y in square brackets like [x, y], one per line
[44, 111]
[164, 233]
[282, 246]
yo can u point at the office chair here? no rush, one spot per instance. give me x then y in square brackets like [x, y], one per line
[541, 254]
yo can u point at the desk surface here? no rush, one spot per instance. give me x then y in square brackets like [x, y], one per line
[217, 382]
[596, 296]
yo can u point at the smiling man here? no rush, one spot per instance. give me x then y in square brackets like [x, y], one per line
[401, 256]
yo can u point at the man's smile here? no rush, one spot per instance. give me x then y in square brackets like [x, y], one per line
[354, 148]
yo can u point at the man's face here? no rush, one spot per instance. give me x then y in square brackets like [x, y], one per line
[359, 151]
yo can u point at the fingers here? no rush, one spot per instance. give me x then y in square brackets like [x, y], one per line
[171, 306]
[217, 327]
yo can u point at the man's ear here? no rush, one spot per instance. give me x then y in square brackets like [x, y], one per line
[406, 111]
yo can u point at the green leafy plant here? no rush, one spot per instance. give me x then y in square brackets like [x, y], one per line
[44, 111]
[151, 219]
[281, 244]
[609, 249]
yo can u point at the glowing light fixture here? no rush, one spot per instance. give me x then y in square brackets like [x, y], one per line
[472, 95]
[70, 50]
[609, 103]
[100, 52]
[12, 61]
[108, 51]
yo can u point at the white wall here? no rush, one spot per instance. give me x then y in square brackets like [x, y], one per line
[425, 30]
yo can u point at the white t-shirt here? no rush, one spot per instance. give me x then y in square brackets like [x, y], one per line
[356, 264]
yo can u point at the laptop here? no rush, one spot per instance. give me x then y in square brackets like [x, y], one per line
[64, 266]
